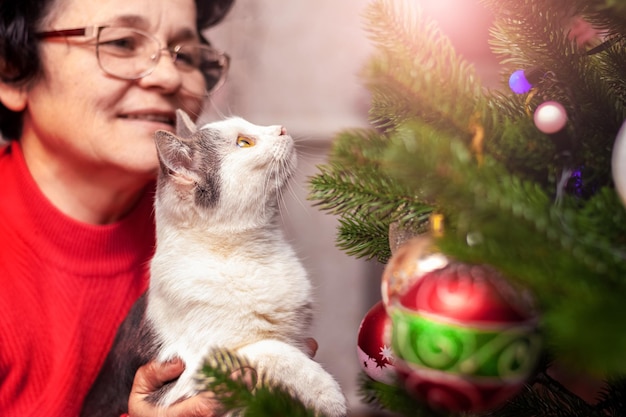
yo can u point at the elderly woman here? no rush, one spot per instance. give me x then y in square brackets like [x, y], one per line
[84, 84]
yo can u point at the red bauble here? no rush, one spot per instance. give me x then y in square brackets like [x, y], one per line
[464, 337]
[374, 345]
[468, 294]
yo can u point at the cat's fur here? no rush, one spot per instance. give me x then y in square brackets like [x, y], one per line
[223, 275]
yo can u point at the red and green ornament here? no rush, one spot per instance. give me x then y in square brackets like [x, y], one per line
[465, 339]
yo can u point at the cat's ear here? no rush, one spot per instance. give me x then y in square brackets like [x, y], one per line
[185, 127]
[175, 155]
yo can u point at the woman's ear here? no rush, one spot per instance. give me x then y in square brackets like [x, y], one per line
[13, 97]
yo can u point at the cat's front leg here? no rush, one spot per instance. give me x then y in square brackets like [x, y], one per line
[278, 361]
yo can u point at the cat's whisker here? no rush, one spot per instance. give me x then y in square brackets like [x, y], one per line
[279, 195]
[282, 207]
[211, 101]
[309, 150]
[188, 110]
[273, 171]
[291, 188]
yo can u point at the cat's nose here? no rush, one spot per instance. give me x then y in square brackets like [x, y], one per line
[283, 130]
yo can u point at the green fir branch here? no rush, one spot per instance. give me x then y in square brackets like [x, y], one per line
[606, 14]
[358, 192]
[364, 237]
[354, 187]
[366, 205]
[416, 72]
[225, 375]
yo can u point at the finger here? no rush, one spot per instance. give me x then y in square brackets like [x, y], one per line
[247, 374]
[198, 406]
[154, 375]
[312, 346]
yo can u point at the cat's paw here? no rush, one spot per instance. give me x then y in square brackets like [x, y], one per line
[287, 366]
[323, 394]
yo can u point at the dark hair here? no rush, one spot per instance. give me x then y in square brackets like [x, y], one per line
[19, 50]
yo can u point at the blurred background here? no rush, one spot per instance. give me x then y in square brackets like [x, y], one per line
[297, 63]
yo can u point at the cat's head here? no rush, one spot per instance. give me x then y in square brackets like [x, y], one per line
[230, 171]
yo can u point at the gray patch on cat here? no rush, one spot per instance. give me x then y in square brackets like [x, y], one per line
[194, 157]
[208, 190]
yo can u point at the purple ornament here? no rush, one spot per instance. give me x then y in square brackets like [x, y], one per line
[518, 82]
[521, 81]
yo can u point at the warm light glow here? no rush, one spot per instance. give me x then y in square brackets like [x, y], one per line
[466, 24]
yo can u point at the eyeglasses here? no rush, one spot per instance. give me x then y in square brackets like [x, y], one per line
[131, 54]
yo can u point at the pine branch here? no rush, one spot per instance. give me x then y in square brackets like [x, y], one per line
[416, 72]
[354, 187]
[607, 14]
[224, 374]
[364, 237]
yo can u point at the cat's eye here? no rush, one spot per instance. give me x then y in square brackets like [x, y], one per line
[245, 142]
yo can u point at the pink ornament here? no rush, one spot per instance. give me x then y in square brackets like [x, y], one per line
[374, 345]
[618, 163]
[550, 117]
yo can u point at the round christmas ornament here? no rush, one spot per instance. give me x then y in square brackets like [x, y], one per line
[618, 163]
[374, 345]
[522, 81]
[550, 117]
[465, 339]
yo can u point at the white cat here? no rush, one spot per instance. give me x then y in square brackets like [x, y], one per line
[223, 274]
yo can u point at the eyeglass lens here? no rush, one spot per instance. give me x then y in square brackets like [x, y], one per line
[131, 54]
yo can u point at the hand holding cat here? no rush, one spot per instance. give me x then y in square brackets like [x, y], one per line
[154, 375]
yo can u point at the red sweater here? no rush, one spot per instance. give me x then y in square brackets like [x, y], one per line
[65, 286]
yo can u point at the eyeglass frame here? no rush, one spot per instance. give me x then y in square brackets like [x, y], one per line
[93, 32]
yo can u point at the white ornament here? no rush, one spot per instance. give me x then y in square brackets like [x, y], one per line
[550, 117]
[618, 163]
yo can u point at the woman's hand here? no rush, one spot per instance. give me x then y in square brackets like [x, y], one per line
[153, 376]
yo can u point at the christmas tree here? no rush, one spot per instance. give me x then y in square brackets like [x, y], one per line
[525, 177]
[529, 183]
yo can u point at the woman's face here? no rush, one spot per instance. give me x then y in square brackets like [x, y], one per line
[79, 119]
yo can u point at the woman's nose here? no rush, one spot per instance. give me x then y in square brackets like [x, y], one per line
[165, 75]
